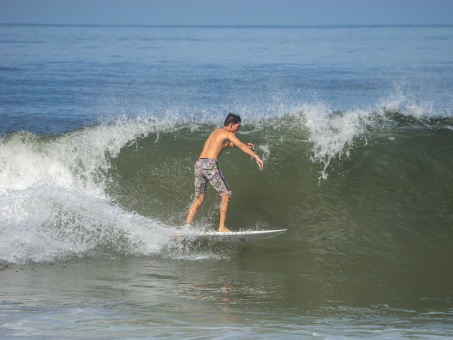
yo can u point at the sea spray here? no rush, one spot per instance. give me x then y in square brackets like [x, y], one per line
[333, 134]
[77, 160]
[122, 187]
[53, 194]
[44, 224]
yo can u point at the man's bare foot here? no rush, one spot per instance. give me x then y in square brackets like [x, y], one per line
[224, 230]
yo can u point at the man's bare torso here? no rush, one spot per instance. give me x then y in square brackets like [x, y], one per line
[216, 143]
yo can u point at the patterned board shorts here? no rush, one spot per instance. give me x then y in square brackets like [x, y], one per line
[207, 169]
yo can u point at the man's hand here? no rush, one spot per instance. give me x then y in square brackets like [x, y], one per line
[260, 163]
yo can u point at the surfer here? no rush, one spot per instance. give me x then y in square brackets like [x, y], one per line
[207, 169]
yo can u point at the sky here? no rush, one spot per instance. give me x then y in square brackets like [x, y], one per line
[227, 12]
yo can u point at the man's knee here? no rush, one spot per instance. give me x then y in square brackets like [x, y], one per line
[224, 200]
[200, 199]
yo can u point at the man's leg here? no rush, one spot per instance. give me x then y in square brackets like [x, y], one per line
[198, 201]
[225, 200]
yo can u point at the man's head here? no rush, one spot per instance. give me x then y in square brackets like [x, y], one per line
[232, 119]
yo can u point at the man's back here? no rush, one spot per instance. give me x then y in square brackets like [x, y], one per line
[215, 144]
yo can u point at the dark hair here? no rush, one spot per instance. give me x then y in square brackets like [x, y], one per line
[232, 118]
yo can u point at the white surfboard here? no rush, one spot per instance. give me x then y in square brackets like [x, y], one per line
[230, 236]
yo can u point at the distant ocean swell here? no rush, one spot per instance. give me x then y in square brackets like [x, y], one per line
[122, 186]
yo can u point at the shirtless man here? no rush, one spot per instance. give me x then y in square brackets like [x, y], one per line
[207, 169]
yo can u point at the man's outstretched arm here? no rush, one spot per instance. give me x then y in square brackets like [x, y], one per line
[246, 148]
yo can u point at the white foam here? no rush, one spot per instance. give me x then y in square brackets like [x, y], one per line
[334, 135]
[46, 224]
[53, 199]
[77, 160]
[52, 195]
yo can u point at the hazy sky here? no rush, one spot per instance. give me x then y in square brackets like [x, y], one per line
[227, 12]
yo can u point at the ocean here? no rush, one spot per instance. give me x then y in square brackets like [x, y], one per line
[100, 127]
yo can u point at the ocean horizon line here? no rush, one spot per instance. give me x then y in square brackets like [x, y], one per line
[222, 26]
